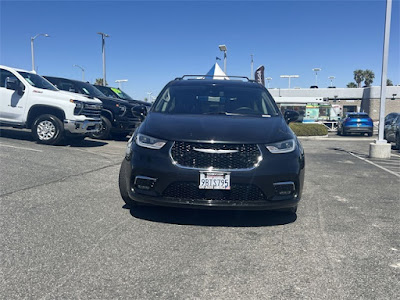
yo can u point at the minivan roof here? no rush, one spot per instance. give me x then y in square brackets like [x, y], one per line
[199, 82]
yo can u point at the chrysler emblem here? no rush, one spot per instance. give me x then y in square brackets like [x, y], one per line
[217, 151]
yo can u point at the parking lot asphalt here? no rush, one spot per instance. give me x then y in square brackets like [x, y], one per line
[66, 234]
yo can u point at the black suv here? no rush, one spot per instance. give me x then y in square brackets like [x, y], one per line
[117, 115]
[119, 94]
[220, 144]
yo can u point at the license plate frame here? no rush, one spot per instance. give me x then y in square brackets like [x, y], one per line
[215, 181]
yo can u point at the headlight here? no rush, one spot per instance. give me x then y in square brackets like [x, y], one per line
[128, 150]
[122, 108]
[149, 142]
[282, 147]
[78, 106]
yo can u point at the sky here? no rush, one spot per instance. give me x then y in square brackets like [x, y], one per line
[153, 42]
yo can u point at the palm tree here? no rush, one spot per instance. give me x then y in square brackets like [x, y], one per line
[351, 85]
[99, 81]
[368, 77]
[358, 77]
[389, 82]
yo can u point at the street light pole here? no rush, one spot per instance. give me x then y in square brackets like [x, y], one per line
[316, 70]
[119, 82]
[224, 49]
[384, 73]
[331, 78]
[381, 148]
[149, 93]
[252, 67]
[83, 71]
[289, 76]
[268, 80]
[32, 48]
[103, 49]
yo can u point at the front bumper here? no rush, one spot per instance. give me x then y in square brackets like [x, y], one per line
[157, 164]
[358, 129]
[125, 125]
[82, 127]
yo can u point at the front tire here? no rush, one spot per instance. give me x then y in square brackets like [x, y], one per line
[123, 182]
[105, 129]
[48, 129]
[397, 144]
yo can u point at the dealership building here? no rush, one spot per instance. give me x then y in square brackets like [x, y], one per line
[344, 100]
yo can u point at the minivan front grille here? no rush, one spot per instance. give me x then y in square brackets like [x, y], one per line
[238, 192]
[217, 156]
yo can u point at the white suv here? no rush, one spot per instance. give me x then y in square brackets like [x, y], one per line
[28, 100]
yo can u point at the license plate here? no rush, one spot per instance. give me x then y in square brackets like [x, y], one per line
[215, 181]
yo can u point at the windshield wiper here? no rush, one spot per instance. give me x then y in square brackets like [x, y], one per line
[215, 113]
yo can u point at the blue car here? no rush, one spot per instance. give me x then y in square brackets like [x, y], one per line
[355, 122]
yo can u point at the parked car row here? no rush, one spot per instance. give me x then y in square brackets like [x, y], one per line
[56, 108]
[392, 129]
[361, 123]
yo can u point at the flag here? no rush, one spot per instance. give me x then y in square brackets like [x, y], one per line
[259, 75]
[217, 58]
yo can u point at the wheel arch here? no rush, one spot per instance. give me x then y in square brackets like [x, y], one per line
[38, 110]
[108, 114]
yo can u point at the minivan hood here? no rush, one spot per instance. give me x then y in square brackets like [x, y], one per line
[219, 128]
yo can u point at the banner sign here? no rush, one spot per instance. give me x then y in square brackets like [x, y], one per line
[259, 75]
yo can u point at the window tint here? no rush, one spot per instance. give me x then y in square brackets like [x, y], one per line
[106, 91]
[4, 74]
[37, 81]
[215, 99]
[88, 89]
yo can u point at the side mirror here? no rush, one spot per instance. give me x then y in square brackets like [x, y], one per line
[139, 111]
[11, 83]
[20, 89]
[291, 116]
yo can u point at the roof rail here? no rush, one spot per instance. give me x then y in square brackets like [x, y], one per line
[203, 76]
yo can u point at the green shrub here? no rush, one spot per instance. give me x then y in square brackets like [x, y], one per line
[301, 129]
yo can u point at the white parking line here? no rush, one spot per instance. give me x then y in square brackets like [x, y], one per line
[22, 148]
[372, 163]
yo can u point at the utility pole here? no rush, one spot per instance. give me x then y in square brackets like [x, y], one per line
[252, 67]
[103, 49]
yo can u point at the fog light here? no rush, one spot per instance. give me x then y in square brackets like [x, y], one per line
[144, 183]
[284, 188]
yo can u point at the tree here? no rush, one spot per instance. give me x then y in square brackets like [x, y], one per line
[358, 77]
[351, 85]
[389, 82]
[99, 81]
[368, 77]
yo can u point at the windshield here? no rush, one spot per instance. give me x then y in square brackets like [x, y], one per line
[37, 81]
[358, 116]
[216, 99]
[120, 94]
[113, 92]
[88, 89]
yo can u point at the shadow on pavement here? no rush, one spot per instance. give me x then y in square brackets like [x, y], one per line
[86, 143]
[16, 134]
[25, 135]
[224, 218]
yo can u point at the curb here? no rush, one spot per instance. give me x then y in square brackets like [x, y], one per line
[312, 137]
